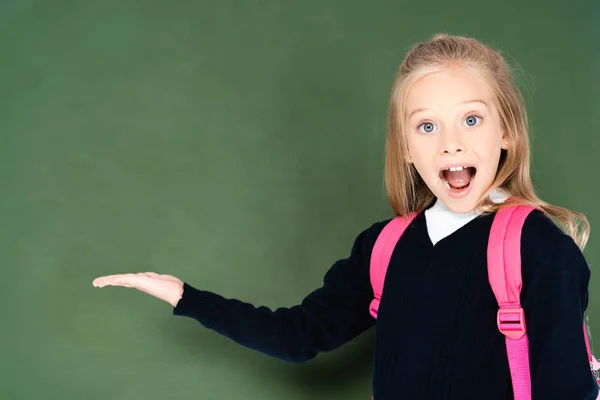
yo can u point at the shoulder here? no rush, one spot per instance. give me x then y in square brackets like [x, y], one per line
[554, 269]
[369, 236]
[357, 263]
[541, 234]
[365, 241]
[540, 231]
[545, 245]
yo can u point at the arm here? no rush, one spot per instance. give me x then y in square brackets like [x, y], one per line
[325, 319]
[554, 297]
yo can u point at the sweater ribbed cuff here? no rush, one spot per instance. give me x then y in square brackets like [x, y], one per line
[201, 305]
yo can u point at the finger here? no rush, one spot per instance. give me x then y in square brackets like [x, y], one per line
[107, 280]
[126, 280]
[151, 274]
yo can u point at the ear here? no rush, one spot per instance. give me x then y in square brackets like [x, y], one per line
[407, 156]
[505, 142]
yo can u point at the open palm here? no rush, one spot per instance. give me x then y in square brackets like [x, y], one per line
[165, 287]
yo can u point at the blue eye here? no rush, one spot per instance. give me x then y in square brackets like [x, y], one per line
[471, 120]
[426, 127]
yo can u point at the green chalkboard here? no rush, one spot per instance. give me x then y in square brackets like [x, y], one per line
[239, 146]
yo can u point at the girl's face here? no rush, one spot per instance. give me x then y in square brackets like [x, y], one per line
[454, 136]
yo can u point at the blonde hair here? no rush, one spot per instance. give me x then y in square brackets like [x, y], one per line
[408, 193]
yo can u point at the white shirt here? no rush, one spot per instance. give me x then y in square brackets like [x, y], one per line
[441, 221]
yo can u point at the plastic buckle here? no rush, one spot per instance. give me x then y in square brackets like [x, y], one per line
[511, 322]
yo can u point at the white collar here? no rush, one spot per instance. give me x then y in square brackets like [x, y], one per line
[441, 221]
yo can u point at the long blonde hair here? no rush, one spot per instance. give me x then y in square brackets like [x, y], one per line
[408, 193]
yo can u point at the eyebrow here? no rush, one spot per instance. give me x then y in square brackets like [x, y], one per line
[462, 102]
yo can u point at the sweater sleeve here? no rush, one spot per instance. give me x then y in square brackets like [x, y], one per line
[554, 297]
[325, 319]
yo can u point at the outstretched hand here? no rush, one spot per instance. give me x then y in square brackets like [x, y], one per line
[165, 287]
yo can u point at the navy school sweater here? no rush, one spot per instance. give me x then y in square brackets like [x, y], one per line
[436, 332]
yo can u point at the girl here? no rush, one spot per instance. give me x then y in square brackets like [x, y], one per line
[457, 148]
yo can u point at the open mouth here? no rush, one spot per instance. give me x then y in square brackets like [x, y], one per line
[457, 179]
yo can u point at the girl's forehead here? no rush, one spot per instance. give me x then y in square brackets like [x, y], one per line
[449, 88]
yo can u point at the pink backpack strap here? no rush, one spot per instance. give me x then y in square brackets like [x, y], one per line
[381, 255]
[504, 272]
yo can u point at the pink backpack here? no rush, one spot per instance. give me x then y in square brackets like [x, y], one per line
[504, 271]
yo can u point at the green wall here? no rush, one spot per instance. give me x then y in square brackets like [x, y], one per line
[239, 146]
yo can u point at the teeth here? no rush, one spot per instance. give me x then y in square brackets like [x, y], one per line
[456, 168]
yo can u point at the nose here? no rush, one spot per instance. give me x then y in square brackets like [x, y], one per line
[451, 143]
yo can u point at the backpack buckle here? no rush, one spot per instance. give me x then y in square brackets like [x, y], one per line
[511, 322]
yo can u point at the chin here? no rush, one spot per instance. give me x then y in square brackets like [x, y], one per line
[462, 202]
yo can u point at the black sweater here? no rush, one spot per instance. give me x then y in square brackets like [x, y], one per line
[436, 332]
